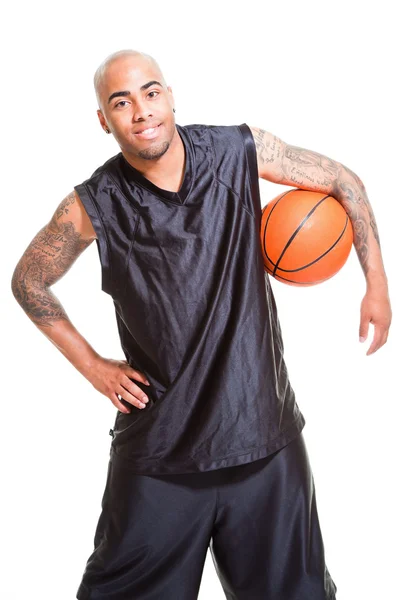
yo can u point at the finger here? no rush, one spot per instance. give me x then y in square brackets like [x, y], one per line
[374, 346]
[363, 329]
[131, 386]
[377, 341]
[134, 395]
[383, 339]
[138, 375]
[116, 401]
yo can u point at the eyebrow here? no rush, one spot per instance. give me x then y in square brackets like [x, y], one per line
[127, 92]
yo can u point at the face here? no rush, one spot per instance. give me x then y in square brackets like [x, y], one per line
[139, 107]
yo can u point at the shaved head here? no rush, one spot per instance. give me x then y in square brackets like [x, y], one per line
[137, 107]
[101, 72]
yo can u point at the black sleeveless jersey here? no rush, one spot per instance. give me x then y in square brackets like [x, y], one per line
[194, 308]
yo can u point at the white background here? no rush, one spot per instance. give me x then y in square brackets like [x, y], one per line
[320, 75]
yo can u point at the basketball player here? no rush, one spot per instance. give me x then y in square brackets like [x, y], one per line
[207, 447]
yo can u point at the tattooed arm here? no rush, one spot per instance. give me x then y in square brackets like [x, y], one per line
[290, 165]
[48, 257]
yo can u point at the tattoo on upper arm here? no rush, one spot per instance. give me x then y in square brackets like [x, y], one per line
[305, 168]
[268, 146]
[291, 165]
[48, 257]
[63, 207]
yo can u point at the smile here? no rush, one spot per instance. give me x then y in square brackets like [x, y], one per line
[148, 134]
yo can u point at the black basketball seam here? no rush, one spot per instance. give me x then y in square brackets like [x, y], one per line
[314, 208]
[266, 223]
[297, 282]
[298, 229]
[319, 257]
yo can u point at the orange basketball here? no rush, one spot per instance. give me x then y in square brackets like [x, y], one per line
[306, 237]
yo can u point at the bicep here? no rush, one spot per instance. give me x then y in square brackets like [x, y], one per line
[56, 246]
[286, 164]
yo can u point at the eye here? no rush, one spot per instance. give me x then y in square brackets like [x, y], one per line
[118, 103]
[153, 92]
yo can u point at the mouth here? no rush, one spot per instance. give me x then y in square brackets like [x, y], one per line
[149, 133]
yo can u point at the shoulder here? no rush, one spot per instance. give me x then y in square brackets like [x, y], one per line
[90, 190]
[216, 131]
[106, 167]
[221, 137]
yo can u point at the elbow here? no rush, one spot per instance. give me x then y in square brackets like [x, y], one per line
[19, 284]
[347, 176]
[15, 286]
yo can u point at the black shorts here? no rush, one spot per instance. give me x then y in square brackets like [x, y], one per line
[259, 520]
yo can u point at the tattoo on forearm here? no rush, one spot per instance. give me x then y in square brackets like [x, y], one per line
[345, 192]
[48, 257]
[361, 198]
[352, 195]
[373, 224]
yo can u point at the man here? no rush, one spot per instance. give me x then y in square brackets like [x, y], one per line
[207, 446]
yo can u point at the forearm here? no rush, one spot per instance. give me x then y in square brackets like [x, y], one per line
[349, 190]
[46, 312]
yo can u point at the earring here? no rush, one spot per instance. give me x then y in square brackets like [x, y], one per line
[174, 110]
[107, 130]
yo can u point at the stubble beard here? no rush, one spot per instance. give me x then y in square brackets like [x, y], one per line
[155, 152]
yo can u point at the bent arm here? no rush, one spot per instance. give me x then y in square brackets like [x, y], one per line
[48, 257]
[283, 163]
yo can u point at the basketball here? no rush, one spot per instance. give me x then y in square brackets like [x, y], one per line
[306, 237]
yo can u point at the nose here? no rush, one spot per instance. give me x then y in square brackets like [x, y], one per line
[141, 111]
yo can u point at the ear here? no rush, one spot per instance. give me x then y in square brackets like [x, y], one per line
[172, 100]
[101, 118]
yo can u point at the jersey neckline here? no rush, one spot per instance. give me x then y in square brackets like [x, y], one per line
[179, 197]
